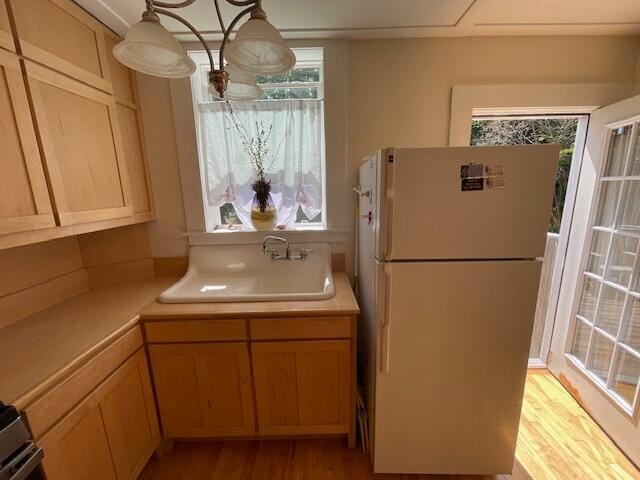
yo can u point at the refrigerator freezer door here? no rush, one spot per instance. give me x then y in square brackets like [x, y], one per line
[452, 368]
[433, 213]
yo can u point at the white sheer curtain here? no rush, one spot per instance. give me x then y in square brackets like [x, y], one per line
[293, 163]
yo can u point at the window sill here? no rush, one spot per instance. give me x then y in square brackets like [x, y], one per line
[250, 236]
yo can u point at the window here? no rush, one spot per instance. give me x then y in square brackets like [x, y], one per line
[606, 333]
[291, 111]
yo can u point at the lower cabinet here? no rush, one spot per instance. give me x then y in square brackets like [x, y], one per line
[203, 389]
[111, 434]
[274, 377]
[302, 387]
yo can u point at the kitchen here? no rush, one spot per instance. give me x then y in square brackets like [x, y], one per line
[119, 183]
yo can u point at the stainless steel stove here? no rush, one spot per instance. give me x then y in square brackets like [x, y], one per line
[20, 458]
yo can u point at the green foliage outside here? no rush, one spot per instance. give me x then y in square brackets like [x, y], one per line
[298, 74]
[530, 132]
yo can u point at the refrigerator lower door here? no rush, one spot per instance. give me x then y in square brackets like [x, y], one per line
[451, 369]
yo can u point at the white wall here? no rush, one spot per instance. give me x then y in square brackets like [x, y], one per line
[392, 92]
[165, 234]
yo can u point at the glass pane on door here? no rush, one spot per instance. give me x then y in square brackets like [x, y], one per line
[606, 338]
[622, 259]
[626, 375]
[608, 203]
[618, 144]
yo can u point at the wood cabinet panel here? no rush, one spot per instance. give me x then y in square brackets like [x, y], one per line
[81, 140]
[203, 390]
[123, 79]
[24, 199]
[56, 402]
[6, 37]
[130, 420]
[111, 434]
[300, 328]
[302, 387]
[196, 331]
[134, 154]
[79, 449]
[59, 34]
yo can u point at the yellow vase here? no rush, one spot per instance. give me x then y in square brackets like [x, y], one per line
[264, 219]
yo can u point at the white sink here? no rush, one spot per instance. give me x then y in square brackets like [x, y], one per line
[241, 273]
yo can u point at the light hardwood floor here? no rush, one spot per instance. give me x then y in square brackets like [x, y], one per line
[557, 440]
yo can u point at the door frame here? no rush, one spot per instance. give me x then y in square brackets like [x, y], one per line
[469, 101]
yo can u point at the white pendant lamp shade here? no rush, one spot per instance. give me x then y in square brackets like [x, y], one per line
[259, 49]
[149, 48]
[242, 85]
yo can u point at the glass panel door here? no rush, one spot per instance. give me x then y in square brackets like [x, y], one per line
[606, 330]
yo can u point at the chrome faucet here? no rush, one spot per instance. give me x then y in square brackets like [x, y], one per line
[303, 255]
[274, 253]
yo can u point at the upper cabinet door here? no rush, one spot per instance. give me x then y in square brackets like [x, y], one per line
[126, 96]
[82, 145]
[24, 199]
[59, 34]
[6, 38]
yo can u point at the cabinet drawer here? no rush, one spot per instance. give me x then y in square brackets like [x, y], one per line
[59, 34]
[196, 331]
[300, 328]
[47, 409]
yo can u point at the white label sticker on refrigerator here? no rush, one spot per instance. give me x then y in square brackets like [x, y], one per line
[494, 176]
[472, 177]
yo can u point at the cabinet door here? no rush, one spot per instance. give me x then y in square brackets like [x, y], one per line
[203, 390]
[61, 35]
[24, 199]
[78, 448]
[130, 418]
[302, 387]
[125, 93]
[82, 145]
[111, 434]
[6, 38]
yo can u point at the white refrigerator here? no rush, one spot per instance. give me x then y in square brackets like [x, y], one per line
[449, 257]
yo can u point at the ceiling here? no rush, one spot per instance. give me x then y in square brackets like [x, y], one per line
[399, 18]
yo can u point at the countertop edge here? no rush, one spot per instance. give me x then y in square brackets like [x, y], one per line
[41, 386]
[329, 307]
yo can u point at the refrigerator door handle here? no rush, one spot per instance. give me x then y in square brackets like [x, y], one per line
[385, 325]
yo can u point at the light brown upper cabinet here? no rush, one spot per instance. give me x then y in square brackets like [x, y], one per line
[82, 146]
[125, 93]
[24, 199]
[61, 35]
[6, 37]
[203, 389]
[302, 387]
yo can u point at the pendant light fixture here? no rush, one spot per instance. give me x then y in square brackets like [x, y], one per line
[257, 49]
